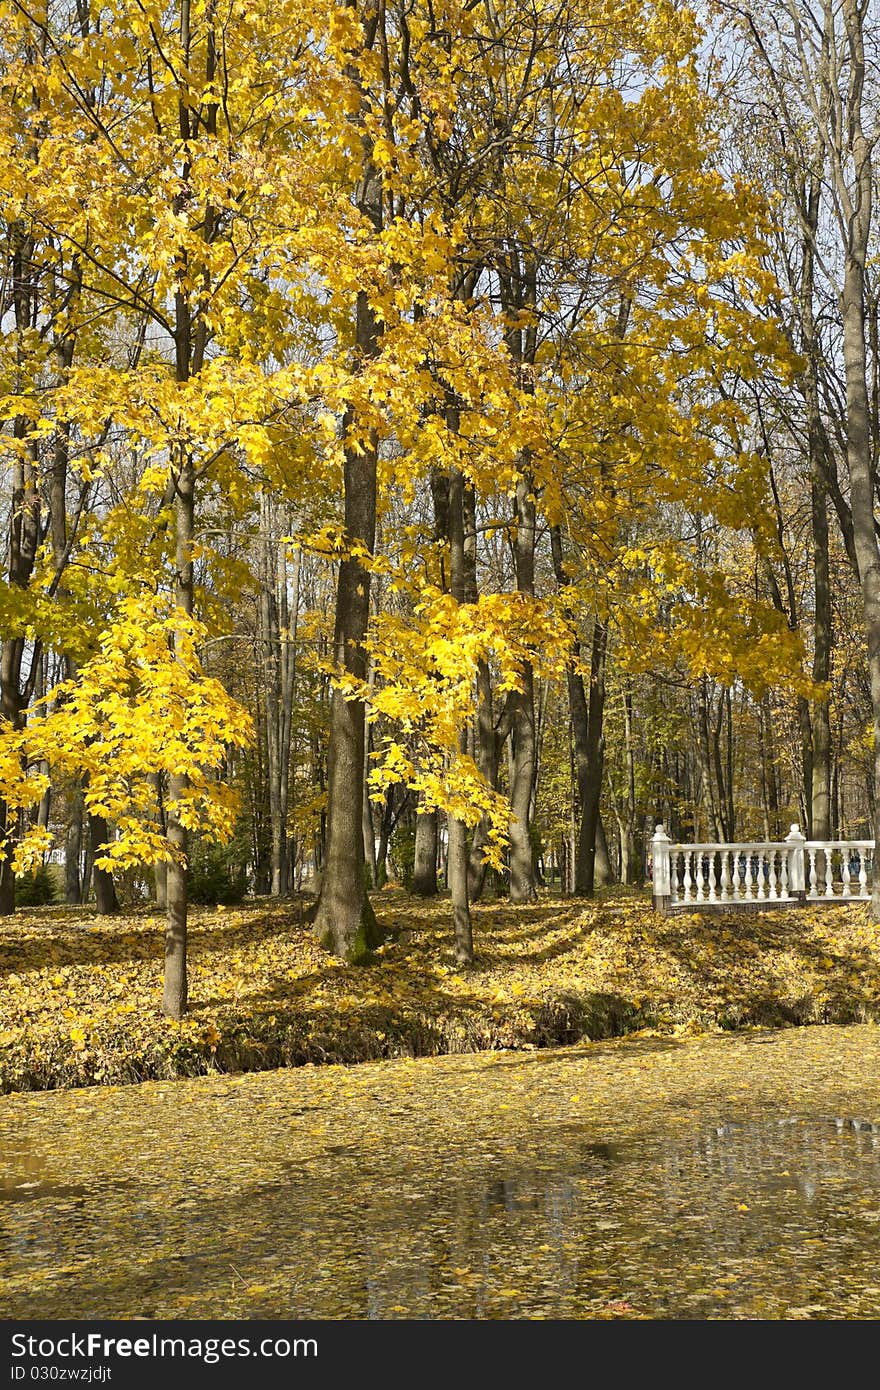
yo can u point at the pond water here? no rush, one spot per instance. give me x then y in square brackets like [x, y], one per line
[717, 1177]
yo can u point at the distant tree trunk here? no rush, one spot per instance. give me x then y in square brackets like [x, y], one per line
[160, 883]
[424, 882]
[592, 761]
[73, 848]
[704, 760]
[630, 843]
[372, 856]
[820, 713]
[519, 291]
[604, 874]
[769, 785]
[523, 736]
[790, 611]
[587, 723]
[725, 791]
[524, 747]
[22, 540]
[522, 868]
[106, 901]
[489, 744]
[387, 825]
[160, 870]
[278, 687]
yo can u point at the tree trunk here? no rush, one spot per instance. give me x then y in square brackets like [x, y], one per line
[587, 724]
[271, 691]
[522, 869]
[715, 828]
[604, 873]
[373, 853]
[160, 869]
[344, 922]
[859, 458]
[592, 763]
[724, 790]
[820, 713]
[424, 882]
[73, 848]
[22, 542]
[160, 885]
[524, 743]
[279, 669]
[862, 495]
[387, 823]
[190, 341]
[489, 743]
[176, 988]
[106, 901]
[458, 887]
[457, 859]
[7, 886]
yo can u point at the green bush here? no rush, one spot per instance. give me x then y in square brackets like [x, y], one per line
[36, 889]
[403, 851]
[215, 874]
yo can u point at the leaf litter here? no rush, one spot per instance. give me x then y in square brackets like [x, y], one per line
[79, 1003]
[703, 1177]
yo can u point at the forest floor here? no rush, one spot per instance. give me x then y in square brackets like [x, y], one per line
[80, 995]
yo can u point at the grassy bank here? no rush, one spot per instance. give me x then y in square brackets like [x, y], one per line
[79, 995]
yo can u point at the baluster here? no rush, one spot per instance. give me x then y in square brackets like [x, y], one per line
[771, 889]
[713, 879]
[749, 873]
[829, 874]
[726, 894]
[844, 872]
[783, 874]
[673, 876]
[688, 881]
[814, 877]
[699, 875]
[863, 876]
[759, 869]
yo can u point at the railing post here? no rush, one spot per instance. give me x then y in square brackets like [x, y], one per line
[662, 878]
[797, 879]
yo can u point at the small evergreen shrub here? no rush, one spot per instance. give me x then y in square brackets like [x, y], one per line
[215, 874]
[36, 889]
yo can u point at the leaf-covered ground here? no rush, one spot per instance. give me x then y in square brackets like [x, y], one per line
[692, 1177]
[79, 995]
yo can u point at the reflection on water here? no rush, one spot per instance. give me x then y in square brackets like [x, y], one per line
[702, 1225]
[413, 1196]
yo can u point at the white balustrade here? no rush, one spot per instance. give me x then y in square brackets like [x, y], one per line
[843, 862]
[797, 869]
